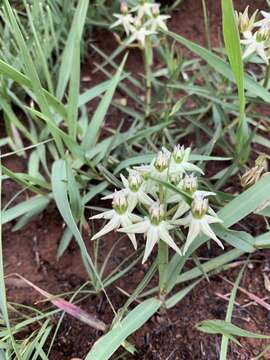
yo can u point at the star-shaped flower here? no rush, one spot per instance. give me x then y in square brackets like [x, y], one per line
[198, 222]
[265, 21]
[139, 33]
[125, 20]
[144, 8]
[119, 216]
[157, 21]
[256, 44]
[180, 160]
[154, 228]
[134, 190]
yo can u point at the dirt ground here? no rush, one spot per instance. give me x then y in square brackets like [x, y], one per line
[31, 252]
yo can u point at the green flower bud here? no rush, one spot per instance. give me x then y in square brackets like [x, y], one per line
[199, 207]
[135, 181]
[190, 183]
[119, 203]
[178, 153]
[161, 162]
[156, 213]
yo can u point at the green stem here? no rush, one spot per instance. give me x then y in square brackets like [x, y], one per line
[162, 264]
[267, 76]
[148, 54]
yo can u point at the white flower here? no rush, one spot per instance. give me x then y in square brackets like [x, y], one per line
[256, 44]
[154, 228]
[184, 207]
[245, 23]
[158, 168]
[265, 21]
[179, 160]
[139, 33]
[135, 190]
[198, 222]
[125, 20]
[119, 216]
[157, 21]
[144, 8]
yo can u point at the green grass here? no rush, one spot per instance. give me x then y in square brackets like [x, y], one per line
[74, 155]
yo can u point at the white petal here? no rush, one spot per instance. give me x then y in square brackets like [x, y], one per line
[113, 224]
[104, 215]
[139, 228]
[191, 167]
[182, 208]
[193, 232]
[166, 237]
[126, 222]
[124, 181]
[151, 240]
[212, 219]
[261, 52]
[209, 232]
[249, 50]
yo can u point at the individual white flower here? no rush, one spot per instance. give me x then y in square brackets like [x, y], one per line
[154, 228]
[135, 190]
[144, 8]
[119, 216]
[265, 21]
[198, 222]
[124, 19]
[157, 21]
[245, 23]
[139, 33]
[257, 44]
[158, 169]
[180, 160]
[190, 186]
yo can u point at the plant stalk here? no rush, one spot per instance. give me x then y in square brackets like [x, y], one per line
[162, 264]
[148, 61]
[267, 76]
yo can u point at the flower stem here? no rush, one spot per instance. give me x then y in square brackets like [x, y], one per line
[162, 264]
[148, 60]
[267, 76]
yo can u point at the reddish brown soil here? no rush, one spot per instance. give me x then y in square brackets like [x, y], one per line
[31, 252]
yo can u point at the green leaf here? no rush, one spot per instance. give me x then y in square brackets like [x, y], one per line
[220, 66]
[98, 118]
[109, 343]
[234, 52]
[228, 329]
[75, 33]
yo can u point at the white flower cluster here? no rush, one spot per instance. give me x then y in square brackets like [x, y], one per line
[256, 35]
[166, 191]
[140, 21]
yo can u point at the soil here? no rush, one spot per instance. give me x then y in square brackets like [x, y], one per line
[31, 252]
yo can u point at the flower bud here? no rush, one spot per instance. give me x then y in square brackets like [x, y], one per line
[175, 179]
[156, 213]
[135, 181]
[137, 23]
[199, 207]
[124, 8]
[245, 23]
[190, 183]
[263, 34]
[119, 202]
[155, 10]
[253, 175]
[179, 153]
[161, 162]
